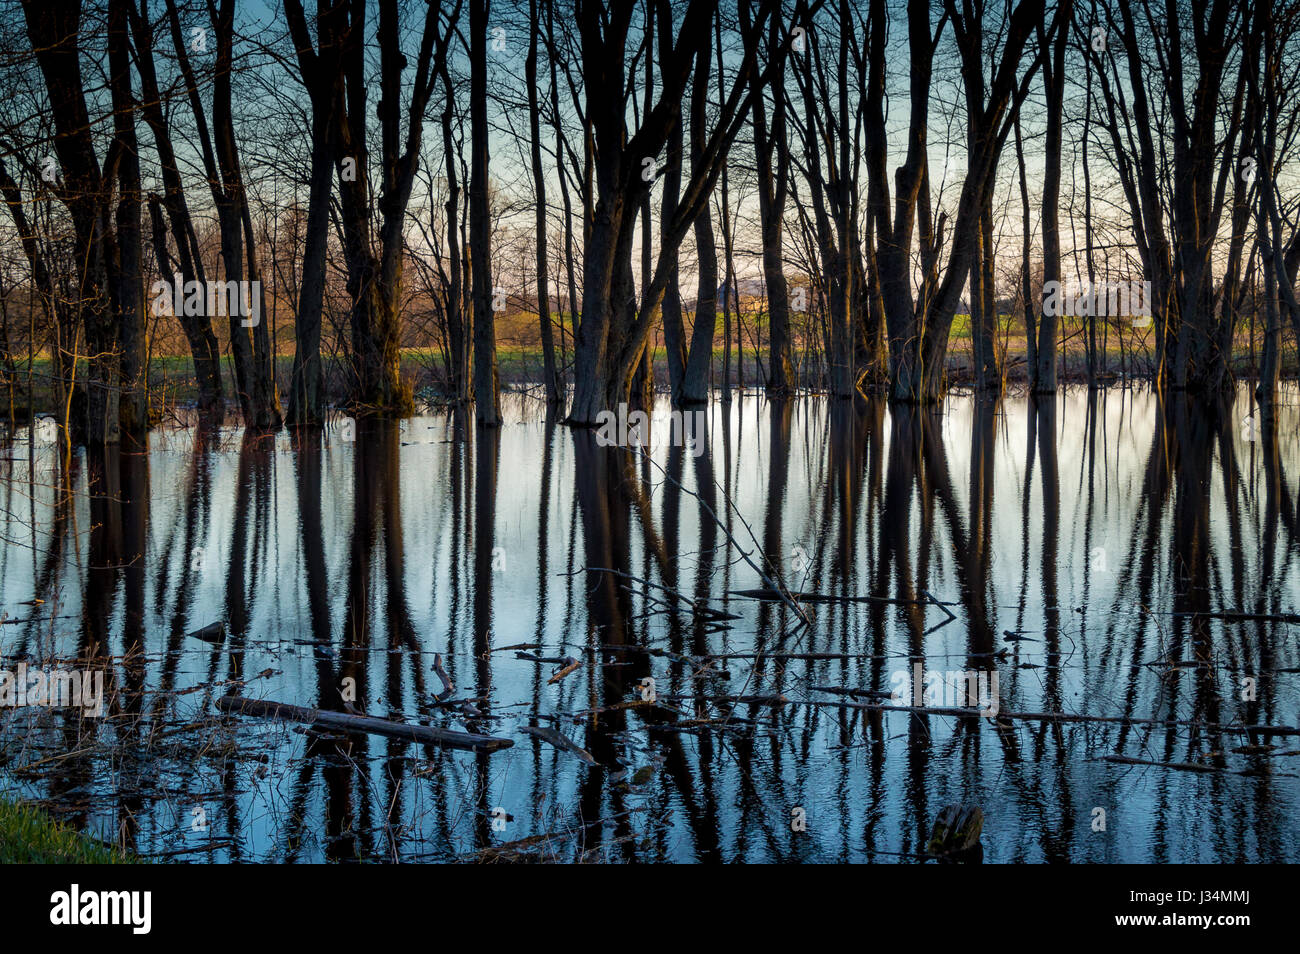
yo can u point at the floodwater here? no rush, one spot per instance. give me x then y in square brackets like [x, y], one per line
[1103, 555]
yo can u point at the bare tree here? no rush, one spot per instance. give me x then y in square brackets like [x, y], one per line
[487, 408]
[54, 30]
[614, 328]
[189, 257]
[1044, 371]
[773, 188]
[250, 344]
[321, 74]
[1176, 219]
[549, 372]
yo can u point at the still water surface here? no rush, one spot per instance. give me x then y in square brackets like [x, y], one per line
[1091, 552]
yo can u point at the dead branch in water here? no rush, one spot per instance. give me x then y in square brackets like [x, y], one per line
[772, 596]
[774, 585]
[1179, 766]
[1230, 617]
[696, 607]
[1051, 717]
[347, 722]
[559, 740]
[569, 664]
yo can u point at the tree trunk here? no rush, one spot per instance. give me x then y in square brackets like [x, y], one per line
[125, 265]
[773, 185]
[487, 409]
[53, 28]
[550, 379]
[458, 329]
[197, 328]
[1054, 87]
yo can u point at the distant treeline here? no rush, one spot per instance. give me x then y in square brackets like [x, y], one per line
[833, 190]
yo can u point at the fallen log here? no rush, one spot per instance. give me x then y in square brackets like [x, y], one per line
[327, 719]
[696, 607]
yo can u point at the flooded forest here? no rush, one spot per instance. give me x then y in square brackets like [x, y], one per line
[678, 431]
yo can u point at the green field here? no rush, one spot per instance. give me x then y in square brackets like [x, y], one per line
[519, 363]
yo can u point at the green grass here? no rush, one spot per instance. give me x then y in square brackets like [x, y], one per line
[29, 836]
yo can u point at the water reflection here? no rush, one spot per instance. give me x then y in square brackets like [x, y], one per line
[1106, 554]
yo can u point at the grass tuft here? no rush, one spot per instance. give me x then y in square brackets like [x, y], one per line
[29, 836]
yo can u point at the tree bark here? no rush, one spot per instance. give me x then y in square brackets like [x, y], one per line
[1044, 379]
[487, 409]
[53, 28]
[773, 186]
[550, 379]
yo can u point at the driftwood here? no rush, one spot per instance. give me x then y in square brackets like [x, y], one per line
[518, 850]
[658, 703]
[559, 740]
[569, 665]
[206, 846]
[327, 719]
[548, 660]
[770, 595]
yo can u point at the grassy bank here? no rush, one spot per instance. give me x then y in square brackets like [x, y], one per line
[29, 836]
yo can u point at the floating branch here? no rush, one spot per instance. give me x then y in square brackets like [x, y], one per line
[700, 609]
[568, 664]
[1247, 617]
[347, 722]
[1052, 717]
[1180, 766]
[559, 740]
[772, 596]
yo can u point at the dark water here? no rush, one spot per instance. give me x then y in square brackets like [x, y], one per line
[1107, 530]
